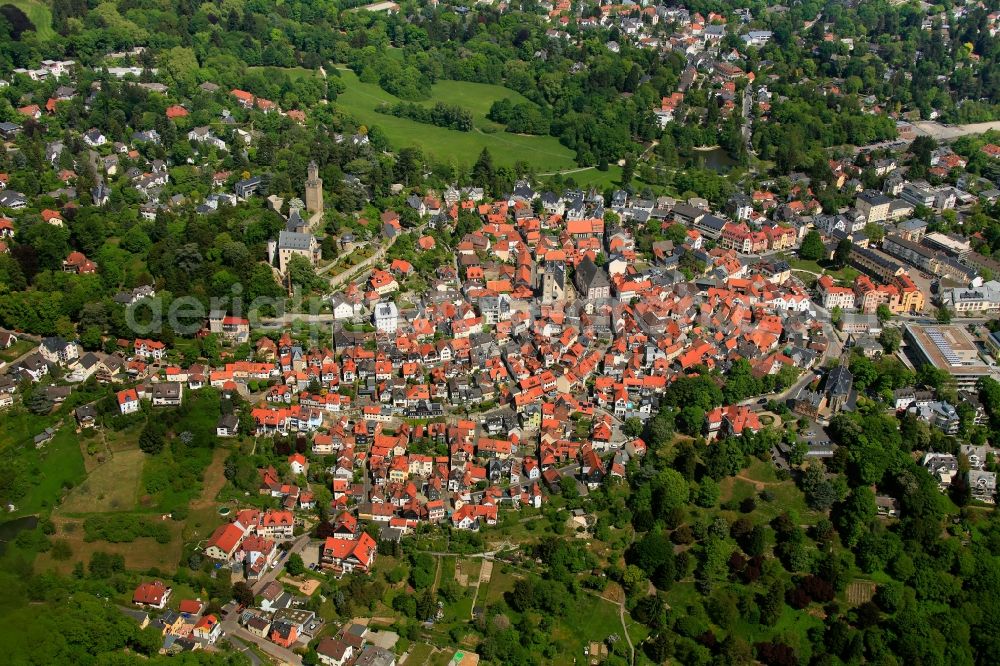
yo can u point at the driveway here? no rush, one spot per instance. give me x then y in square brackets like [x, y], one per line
[273, 573]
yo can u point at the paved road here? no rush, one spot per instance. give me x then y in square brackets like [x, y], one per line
[336, 280]
[834, 350]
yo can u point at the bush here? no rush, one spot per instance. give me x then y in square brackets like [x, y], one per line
[123, 528]
[449, 116]
[61, 550]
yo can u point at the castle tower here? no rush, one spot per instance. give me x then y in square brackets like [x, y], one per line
[314, 190]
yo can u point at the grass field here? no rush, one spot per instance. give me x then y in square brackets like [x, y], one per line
[544, 153]
[50, 469]
[420, 654]
[204, 515]
[294, 73]
[38, 13]
[122, 440]
[597, 178]
[591, 619]
[16, 349]
[467, 571]
[143, 553]
[760, 476]
[112, 486]
[499, 584]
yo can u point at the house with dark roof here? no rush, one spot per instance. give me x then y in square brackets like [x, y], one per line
[291, 243]
[591, 280]
[248, 187]
[167, 394]
[710, 226]
[333, 652]
[839, 384]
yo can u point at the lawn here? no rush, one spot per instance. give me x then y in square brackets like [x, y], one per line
[420, 654]
[544, 153]
[20, 426]
[461, 610]
[499, 584]
[447, 570]
[16, 349]
[476, 97]
[112, 486]
[761, 476]
[293, 73]
[48, 470]
[846, 274]
[38, 13]
[596, 178]
[122, 440]
[591, 619]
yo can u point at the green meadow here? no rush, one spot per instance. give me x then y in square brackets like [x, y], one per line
[544, 153]
[38, 13]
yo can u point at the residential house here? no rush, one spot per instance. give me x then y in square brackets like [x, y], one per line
[128, 401]
[334, 652]
[208, 629]
[59, 351]
[167, 394]
[349, 555]
[151, 595]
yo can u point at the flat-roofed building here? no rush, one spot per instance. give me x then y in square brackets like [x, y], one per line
[949, 348]
[955, 246]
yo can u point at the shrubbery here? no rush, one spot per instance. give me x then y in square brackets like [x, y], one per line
[123, 528]
[444, 115]
[520, 118]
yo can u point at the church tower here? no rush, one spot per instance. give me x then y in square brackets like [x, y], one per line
[314, 190]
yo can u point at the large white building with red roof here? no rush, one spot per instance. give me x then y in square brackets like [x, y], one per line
[349, 555]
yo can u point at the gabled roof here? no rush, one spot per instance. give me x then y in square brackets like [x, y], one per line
[149, 593]
[226, 537]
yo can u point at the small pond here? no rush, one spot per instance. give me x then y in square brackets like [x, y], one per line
[11, 528]
[716, 159]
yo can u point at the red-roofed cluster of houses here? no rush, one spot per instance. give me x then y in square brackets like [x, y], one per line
[250, 541]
